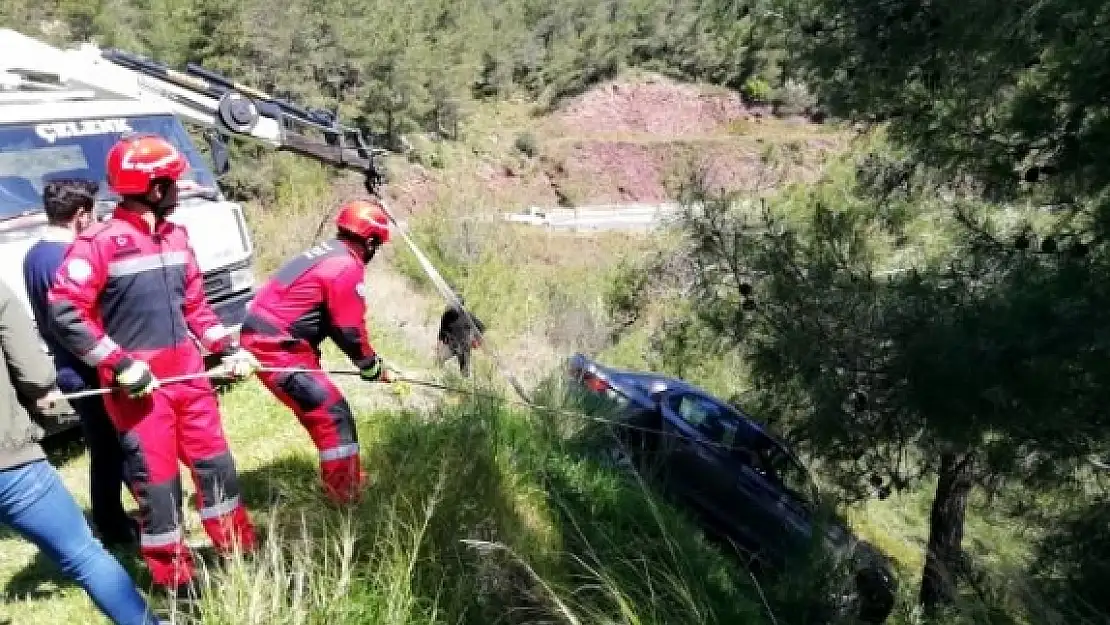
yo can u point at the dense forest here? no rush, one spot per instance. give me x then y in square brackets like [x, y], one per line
[404, 67]
[981, 362]
[936, 308]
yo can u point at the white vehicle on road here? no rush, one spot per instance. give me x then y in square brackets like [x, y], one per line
[62, 109]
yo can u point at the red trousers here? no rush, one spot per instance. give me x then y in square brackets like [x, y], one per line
[179, 421]
[319, 406]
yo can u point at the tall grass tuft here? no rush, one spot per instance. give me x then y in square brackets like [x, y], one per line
[478, 514]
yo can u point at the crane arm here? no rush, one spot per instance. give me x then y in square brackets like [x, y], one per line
[218, 103]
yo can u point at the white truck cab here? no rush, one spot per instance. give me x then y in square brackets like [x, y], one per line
[60, 113]
[62, 140]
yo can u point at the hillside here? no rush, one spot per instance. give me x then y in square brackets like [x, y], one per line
[630, 139]
[922, 315]
[635, 138]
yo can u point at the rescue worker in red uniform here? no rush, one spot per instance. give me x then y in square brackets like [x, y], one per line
[318, 294]
[124, 299]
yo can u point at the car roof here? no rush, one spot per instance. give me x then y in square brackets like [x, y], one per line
[674, 383]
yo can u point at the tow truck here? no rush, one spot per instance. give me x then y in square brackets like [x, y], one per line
[61, 109]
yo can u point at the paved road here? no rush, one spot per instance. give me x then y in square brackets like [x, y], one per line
[598, 217]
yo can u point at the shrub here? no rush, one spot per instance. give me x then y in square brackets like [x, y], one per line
[527, 144]
[573, 324]
[756, 90]
[793, 98]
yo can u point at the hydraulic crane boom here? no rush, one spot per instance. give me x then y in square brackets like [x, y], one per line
[219, 103]
[33, 73]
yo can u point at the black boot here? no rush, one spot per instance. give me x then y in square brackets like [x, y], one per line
[124, 533]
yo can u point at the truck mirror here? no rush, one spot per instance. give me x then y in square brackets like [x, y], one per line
[217, 147]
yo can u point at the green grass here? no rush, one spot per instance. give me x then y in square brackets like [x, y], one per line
[480, 514]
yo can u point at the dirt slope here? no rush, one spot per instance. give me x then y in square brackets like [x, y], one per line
[626, 140]
[655, 107]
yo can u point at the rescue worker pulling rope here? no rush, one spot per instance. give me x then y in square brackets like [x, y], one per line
[124, 300]
[319, 294]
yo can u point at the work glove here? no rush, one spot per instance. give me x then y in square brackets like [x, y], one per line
[239, 364]
[50, 400]
[376, 371]
[135, 377]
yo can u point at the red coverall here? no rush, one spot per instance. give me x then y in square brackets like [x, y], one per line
[315, 295]
[125, 292]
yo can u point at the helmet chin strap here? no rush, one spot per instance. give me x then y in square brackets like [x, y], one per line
[164, 205]
[371, 246]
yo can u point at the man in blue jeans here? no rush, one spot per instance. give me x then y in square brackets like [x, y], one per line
[33, 500]
[69, 207]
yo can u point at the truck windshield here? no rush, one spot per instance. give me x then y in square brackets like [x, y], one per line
[33, 154]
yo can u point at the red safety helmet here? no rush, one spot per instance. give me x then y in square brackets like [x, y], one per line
[136, 161]
[364, 219]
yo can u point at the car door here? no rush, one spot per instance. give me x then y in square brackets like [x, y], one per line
[796, 502]
[755, 496]
[697, 465]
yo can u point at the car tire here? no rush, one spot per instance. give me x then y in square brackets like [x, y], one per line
[876, 590]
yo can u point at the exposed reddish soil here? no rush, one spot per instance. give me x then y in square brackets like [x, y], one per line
[630, 142]
[726, 168]
[521, 184]
[615, 172]
[611, 172]
[657, 107]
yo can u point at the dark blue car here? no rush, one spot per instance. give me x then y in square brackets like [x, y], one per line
[742, 480]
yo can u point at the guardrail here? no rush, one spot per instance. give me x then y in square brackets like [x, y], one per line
[598, 216]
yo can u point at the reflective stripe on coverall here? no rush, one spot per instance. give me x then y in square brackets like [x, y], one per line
[317, 294]
[124, 292]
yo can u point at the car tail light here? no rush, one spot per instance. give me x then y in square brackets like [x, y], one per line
[595, 383]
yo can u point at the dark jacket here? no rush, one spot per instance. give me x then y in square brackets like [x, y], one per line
[40, 265]
[27, 377]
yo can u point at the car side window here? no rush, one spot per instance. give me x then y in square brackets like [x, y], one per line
[782, 471]
[707, 417]
[693, 410]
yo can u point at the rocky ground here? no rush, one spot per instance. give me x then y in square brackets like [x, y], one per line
[655, 106]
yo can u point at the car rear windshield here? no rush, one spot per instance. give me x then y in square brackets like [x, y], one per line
[32, 154]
